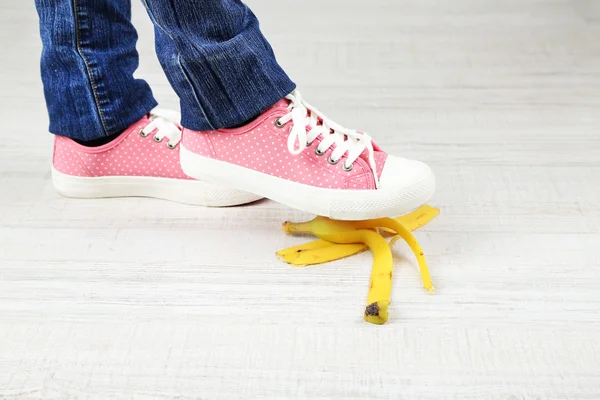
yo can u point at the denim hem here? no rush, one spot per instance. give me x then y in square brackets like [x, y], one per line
[83, 129]
[133, 115]
[261, 101]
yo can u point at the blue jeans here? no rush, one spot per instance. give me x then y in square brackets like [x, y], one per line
[212, 51]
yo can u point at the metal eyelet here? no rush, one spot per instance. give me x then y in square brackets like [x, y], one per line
[142, 134]
[332, 161]
[171, 146]
[348, 169]
[279, 124]
[157, 140]
[318, 152]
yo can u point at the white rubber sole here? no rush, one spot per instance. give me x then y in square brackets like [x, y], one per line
[332, 203]
[194, 192]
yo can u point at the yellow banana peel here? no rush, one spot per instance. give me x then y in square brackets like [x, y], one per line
[321, 251]
[339, 239]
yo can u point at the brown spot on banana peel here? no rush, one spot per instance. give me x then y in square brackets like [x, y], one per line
[377, 312]
[372, 309]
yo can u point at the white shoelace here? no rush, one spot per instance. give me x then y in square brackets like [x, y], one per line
[347, 141]
[166, 125]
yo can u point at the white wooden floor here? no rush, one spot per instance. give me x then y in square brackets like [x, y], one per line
[141, 298]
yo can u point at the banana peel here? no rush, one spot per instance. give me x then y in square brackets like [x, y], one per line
[321, 251]
[339, 239]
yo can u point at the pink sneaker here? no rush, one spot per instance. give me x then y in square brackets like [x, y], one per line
[142, 161]
[294, 155]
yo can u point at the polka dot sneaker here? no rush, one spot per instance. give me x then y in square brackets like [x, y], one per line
[294, 155]
[142, 161]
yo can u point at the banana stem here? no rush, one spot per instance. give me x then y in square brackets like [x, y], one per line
[316, 225]
[380, 287]
[296, 227]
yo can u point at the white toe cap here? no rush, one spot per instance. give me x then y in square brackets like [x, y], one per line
[401, 173]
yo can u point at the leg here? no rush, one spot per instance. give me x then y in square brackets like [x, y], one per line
[88, 62]
[217, 60]
[291, 153]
